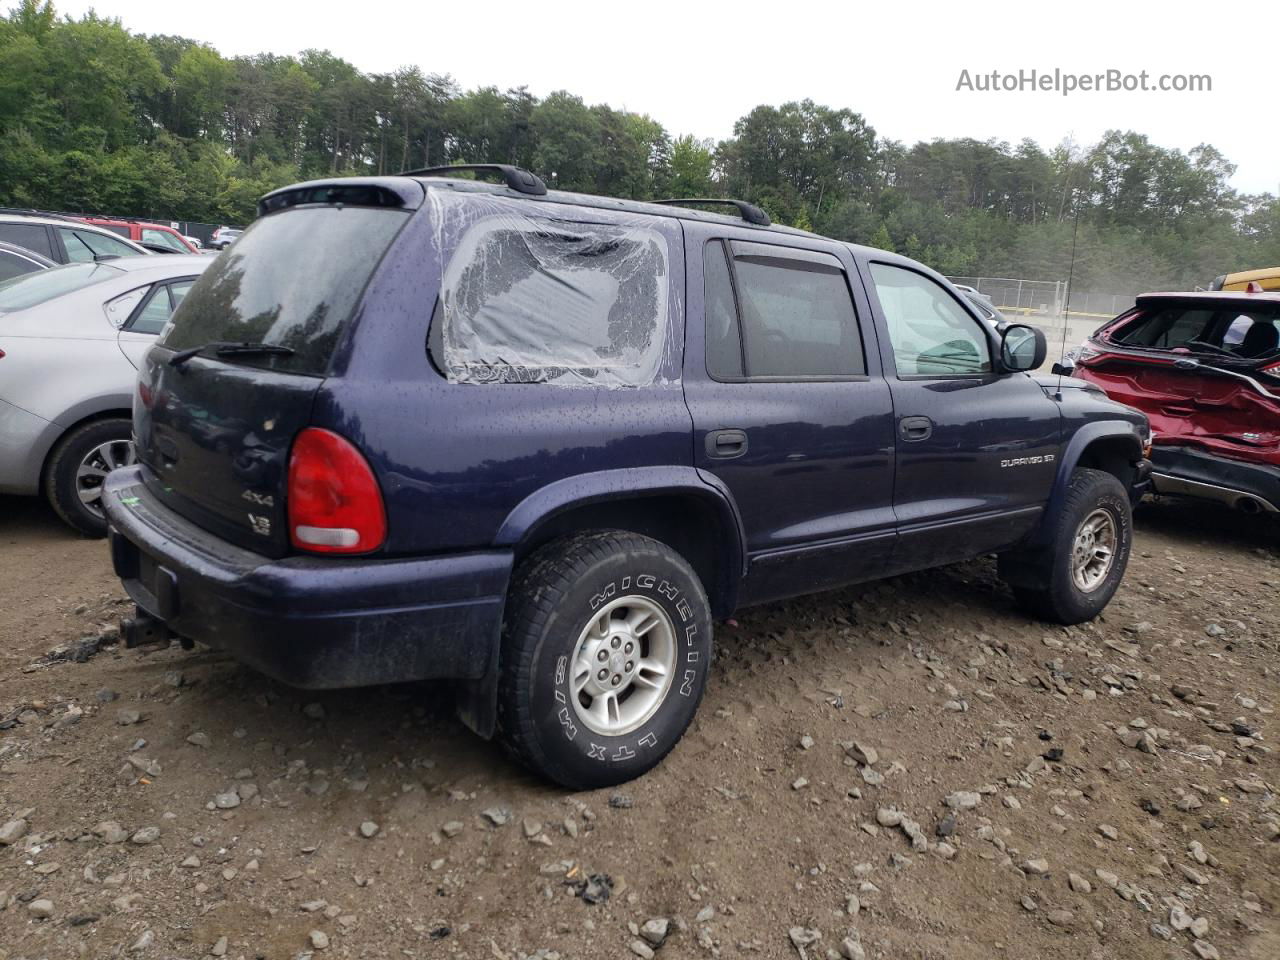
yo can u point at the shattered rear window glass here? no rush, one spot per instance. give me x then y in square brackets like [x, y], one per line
[534, 299]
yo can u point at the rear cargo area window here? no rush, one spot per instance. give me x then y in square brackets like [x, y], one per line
[293, 279]
[533, 299]
[1214, 330]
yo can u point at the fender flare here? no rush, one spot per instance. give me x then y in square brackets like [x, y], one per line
[477, 699]
[1070, 458]
[629, 483]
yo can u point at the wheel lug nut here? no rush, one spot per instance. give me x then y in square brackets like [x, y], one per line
[630, 666]
[616, 679]
[616, 643]
[602, 674]
[630, 647]
[602, 656]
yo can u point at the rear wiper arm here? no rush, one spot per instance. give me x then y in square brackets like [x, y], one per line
[227, 349]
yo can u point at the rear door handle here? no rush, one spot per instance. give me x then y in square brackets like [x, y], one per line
[914, 429]
[726, 444]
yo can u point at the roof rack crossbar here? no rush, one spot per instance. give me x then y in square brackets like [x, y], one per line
[517, 178]
[748, 211]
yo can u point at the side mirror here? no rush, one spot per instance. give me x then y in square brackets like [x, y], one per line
[1066, 367]
[1022, 348]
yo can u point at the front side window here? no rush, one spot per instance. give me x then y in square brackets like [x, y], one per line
[792, 317]
[931, 334]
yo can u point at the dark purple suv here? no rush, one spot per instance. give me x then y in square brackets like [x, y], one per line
[417, 426]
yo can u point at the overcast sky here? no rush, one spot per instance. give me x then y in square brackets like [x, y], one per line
[696, 67]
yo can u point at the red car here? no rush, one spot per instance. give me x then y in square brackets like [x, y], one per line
[154, 236]
[1205, 369]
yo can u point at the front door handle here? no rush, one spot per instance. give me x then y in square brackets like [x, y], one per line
[726, 444]
[915, 429]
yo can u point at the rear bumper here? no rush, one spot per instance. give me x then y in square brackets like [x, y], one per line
[25, 440]
[310, 622]
[1182, 471]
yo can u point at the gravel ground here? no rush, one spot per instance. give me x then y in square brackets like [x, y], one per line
[908, 769]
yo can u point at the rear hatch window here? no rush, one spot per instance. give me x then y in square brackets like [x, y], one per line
[1224, 332]
[292, 280]
[215, 428]
[33, 289]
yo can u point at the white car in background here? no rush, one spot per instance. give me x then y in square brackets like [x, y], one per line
[71, 340]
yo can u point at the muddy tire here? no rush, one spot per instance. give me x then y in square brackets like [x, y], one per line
[77, 466]
[1073, 578]
[605, 652]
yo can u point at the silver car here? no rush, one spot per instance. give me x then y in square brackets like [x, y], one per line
[71, 340]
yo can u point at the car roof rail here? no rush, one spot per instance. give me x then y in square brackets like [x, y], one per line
[31, 212]
[748, 211]
[517, 178]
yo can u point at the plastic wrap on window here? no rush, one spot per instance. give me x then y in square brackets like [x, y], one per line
[534, 293]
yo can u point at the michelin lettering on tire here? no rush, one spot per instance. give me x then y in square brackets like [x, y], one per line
[604, 646]
[688, 670]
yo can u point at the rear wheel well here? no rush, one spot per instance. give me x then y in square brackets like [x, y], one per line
[690, 525]
[1113, 455]
[66, 432]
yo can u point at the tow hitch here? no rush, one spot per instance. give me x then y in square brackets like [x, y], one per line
[142, 629]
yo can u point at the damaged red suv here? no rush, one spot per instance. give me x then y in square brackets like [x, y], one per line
[1205, 369]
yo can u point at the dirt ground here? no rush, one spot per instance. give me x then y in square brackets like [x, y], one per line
[1113, 786]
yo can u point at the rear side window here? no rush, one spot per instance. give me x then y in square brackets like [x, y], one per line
[293, 279]
[36, 288]
[724, 342]
[164, 239]
[84, 245]
[528, 299]
[152, 317]
[784, 314]
[33, 236]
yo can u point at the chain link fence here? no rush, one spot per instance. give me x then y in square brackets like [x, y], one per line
[1048, 299]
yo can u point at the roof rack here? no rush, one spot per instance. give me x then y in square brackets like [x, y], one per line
[748, 211]
[31, 212]
[517, 179]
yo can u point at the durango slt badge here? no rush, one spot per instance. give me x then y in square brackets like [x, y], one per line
[1028, 461]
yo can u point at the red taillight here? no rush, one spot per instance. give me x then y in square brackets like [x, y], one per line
[334, 502]
[1271, 368]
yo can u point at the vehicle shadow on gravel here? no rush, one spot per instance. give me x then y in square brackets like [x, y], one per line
[32, 517]
[1199, 523]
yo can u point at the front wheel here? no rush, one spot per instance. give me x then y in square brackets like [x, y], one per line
[1075, 576]
[605, 652]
